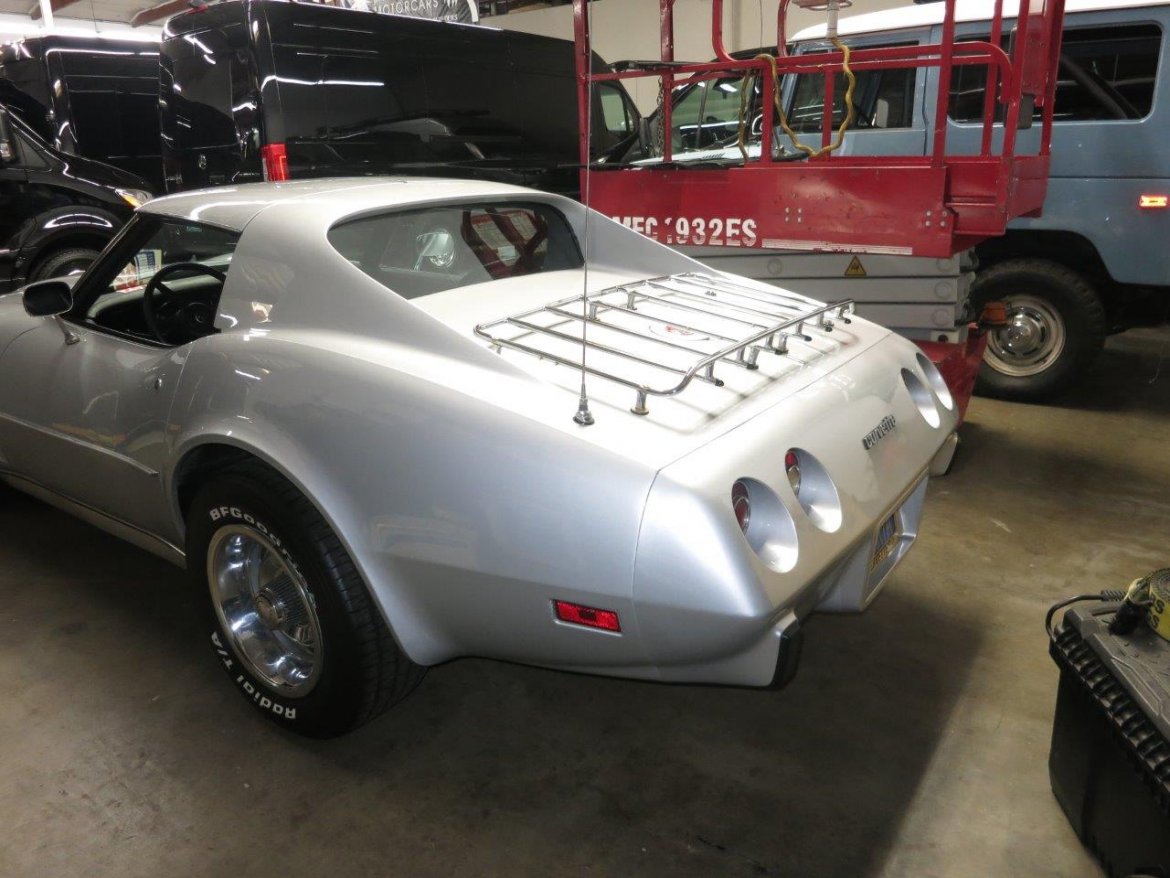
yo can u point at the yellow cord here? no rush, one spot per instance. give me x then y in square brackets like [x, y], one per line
[850, 113]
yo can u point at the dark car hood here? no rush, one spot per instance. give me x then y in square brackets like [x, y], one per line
[99, 173]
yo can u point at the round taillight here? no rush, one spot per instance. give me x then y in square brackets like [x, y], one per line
[792, 470]
[742, 504]
[813, 488]
[937, 383]
[923, 399]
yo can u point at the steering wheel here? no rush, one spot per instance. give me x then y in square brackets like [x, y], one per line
[168, 314]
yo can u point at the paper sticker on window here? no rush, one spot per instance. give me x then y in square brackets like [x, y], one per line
[138, 271]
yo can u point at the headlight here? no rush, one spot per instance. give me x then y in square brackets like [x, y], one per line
[134, 197]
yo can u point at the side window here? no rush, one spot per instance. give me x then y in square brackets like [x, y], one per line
[27, 154]
[616, 114]
[881, 99]
[189, 262]
[707, 115]
[1105, 73]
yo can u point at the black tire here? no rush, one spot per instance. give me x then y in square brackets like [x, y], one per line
[63, 262]
[360, 670]
[1060, 328]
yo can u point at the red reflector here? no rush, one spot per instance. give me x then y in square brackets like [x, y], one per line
[275, 160]
[741, 502]
[791, 460]
[1154, 201]
[591, 617]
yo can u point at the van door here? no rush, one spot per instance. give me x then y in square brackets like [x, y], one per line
[208, 109]
[890, 105]
[112, 102]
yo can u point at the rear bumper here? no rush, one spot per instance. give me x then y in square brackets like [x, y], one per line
[714, 603]
[774, 638]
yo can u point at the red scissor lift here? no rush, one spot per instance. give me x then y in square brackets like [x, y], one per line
[935, 204]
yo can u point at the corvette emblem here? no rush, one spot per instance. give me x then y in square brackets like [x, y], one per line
[874, 436]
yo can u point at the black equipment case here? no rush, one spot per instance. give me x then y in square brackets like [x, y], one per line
[1110, 758]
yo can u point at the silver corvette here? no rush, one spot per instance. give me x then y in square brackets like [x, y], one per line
[389, 423]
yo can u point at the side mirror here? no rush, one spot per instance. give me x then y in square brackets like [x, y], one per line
[48, 298]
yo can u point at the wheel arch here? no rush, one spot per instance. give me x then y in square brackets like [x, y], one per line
[82, 237]
[1069, 249]
[200, 459]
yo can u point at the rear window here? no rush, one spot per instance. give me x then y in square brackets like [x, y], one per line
[360, 93]
[443, 247]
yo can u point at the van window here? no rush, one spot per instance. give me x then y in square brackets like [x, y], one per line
[618, 122]
[881, 99]
[24, 89]
[707, 115]
[419, 252]
[1105, 73]
[28, 155]
[385, 93]
[113, 101]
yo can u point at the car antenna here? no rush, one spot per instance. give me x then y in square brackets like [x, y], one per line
[584, 417]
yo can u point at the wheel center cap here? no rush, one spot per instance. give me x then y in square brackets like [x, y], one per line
[1022, 335]
[269, 609]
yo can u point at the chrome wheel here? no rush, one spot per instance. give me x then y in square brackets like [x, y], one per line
[266, 610]
[1032, 341]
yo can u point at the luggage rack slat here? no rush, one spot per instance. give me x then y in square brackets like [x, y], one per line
[613, 327]
[754, 295]
[744, 308]
[671, 295]
[635, 296]
[616, 352]
[731, 290]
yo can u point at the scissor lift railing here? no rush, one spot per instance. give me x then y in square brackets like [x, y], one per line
[934, 204]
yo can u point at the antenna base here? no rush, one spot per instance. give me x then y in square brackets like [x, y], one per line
[584, 417]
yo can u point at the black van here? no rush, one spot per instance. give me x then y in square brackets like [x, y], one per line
[91, 96]
[57, 211]
[267, 89]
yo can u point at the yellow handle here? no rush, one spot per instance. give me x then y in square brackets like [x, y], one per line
[850, 113]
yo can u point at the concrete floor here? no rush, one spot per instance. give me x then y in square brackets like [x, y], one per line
[912, 743]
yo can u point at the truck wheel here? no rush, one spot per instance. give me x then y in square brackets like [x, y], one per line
[1056, 327]
[291, 620]
[63, 262]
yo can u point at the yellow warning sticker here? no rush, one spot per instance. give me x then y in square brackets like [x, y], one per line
[855, 269]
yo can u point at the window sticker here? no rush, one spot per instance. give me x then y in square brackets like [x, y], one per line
[138, 272]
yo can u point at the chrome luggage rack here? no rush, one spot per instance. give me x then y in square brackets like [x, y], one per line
[732, 323]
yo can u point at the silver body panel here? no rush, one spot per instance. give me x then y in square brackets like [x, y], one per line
[455, 475]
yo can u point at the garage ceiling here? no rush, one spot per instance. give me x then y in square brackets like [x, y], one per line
[102, 10]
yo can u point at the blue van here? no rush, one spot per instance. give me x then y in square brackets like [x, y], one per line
[1098, 260]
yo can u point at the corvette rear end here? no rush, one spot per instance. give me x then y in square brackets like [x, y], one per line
[792, 445]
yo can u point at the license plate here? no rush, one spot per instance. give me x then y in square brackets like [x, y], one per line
[887, 541]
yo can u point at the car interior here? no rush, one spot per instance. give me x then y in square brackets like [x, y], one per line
[168, 290]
